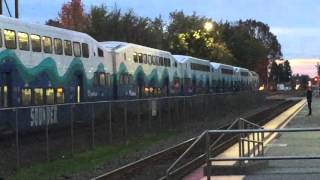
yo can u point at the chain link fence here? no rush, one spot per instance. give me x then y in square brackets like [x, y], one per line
[60, 131]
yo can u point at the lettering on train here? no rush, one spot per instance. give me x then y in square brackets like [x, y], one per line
[41, 116]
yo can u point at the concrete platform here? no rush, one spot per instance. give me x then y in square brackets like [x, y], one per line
[293, 144]
[284, 144]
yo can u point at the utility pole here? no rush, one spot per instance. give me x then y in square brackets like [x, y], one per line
[1, 11]
[16, 5]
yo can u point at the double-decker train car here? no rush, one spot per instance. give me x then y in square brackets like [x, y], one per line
[196, 74]
[243, 78]
[142, 71]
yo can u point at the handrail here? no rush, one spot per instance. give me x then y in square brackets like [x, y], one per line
[264, 130]
[251, 123]
[187, 151]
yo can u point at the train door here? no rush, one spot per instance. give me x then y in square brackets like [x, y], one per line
[5, 90]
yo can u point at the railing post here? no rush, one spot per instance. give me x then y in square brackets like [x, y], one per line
[17, 139]
[110, 122]
[240, 142]
[47, 140]
[208, 155]
[125, 123]
[150, 115]
[72, 128]
[160, 113]
[92, 126]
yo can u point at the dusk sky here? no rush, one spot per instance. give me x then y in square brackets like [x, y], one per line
[295, 22]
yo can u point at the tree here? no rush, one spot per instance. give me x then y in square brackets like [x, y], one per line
[274, 75]
[287, 72]
[72, 16]
[252, 44]
[186, 35]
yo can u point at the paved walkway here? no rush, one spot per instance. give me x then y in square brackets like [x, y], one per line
[292, 144]
[285, 144]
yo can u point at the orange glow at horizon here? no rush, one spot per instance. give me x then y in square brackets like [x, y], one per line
[304, 66]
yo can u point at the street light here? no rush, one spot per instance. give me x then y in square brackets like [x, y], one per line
[208, 26]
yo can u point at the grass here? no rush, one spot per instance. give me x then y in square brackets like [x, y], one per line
[86, 161]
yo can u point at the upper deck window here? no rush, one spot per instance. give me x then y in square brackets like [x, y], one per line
[35, 43]
[100, 52]
[149, 59]
[10, 39]
[144, 57]
[23, 39]
[135, 57]
[47, 44]
[77, 49]
[67, 48]
[227, 71]
[140, 58]
[161, 61]
[244, 74]
[58, 48]
[200, 67]
[85, 50]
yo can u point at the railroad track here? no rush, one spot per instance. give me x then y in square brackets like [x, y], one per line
[154, 166]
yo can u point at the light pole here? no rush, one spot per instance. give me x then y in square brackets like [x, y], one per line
[208, 26]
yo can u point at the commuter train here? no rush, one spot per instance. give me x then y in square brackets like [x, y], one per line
[44, 65]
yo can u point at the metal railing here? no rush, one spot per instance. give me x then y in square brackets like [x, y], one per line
[248, 156]
[241, 122]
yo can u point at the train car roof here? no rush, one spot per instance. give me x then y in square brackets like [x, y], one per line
[17, 24]
[119, 46]
[184, 59]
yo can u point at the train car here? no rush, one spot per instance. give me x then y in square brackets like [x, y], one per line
[142, 71]
[227, 78]
[254, 80]
[196, 74]
[44, 65]
[243, 78]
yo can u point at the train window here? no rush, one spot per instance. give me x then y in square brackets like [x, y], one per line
[47, 44]
[144, 57]
[26, 96]
[153, 60]
[169, 62]
[0, 38]
[10, 39]
[38, 96]
[23, 39]
[60, 95]
[140, 58]
[102, 79]
[67, 48]
[50, 96]
[77, 49]
[149, 59]
[157, 60]
[135, 57]
[175, 64]
[58, 49]
[35, 43]
[161, 61]
[100, 52]
[85, 50]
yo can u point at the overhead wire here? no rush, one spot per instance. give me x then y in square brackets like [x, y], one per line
[5, 2]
